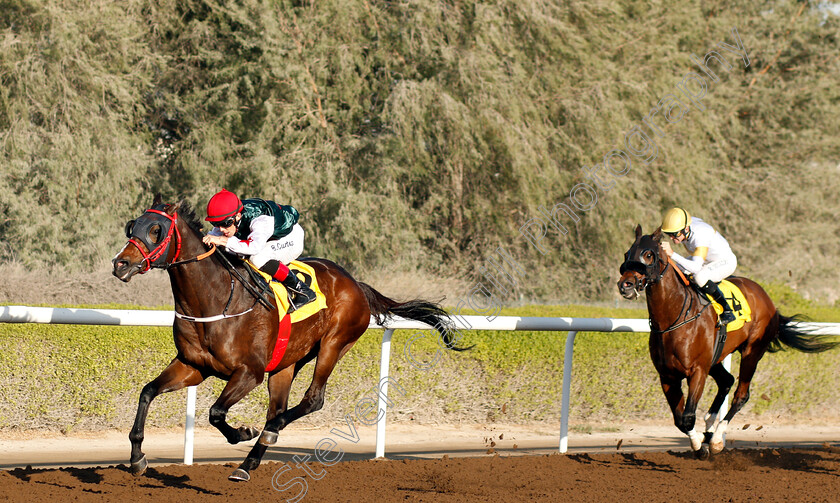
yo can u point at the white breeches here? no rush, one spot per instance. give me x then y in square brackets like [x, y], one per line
[284, 250]
[716, 271]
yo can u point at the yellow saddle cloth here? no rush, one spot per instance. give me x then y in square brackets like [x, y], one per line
[306, 274]
[737, 302]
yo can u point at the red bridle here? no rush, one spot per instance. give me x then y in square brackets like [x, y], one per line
[161, 249]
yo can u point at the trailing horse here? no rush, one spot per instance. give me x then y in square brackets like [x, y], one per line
[239, 343]
[684, 335]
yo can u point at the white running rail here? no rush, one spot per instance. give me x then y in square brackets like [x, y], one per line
[125, 317]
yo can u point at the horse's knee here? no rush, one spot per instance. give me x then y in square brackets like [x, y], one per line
[738, 401]
[316, 403]
[217, 415]
[729, 380]
[148, 393]
[685, 422]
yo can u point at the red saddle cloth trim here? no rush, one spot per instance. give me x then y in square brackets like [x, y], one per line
[282, 341]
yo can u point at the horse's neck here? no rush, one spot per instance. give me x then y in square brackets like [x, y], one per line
[667, 298]
[199, 288]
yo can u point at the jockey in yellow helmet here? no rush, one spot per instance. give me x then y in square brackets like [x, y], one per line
[711, 259]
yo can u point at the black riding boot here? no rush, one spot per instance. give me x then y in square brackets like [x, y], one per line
[301, 293]
[711, 288]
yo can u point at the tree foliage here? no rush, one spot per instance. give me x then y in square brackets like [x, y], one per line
[419, 134]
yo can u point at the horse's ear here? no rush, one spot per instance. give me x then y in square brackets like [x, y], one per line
[158, 199]
[657, 234]
[638, 230]
[172, 208]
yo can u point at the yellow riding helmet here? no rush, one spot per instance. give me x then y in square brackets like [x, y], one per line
[675, 220]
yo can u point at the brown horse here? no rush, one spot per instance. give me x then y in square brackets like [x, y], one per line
[683, 337]
[238, 346]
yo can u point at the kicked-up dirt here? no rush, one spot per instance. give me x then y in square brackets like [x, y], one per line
[740, 475]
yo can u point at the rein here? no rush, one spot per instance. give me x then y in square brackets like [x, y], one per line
[194, 259]
[258, 296]
[217, 317]
[683, 309]
[150, 259]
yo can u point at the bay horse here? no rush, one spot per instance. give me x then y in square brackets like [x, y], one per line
[239, 345]
[684, 332]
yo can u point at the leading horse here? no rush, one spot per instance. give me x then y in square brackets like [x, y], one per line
[684, 332]
[238, 346]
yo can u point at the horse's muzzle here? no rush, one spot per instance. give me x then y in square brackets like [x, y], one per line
[123, 269]
[629, 286]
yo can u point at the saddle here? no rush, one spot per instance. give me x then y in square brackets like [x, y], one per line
[306, 274]
[740, 307]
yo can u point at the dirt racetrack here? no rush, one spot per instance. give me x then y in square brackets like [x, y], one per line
[767, 475]
[762, 463]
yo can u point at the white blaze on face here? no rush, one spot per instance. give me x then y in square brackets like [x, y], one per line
[120, 252]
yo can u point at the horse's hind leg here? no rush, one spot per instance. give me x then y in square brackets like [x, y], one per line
[724, 381]
[241, 382]
[279, 385]
[174, 377]
[313, 399]
[746, 371]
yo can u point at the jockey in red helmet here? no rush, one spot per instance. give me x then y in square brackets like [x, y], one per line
[267, 233]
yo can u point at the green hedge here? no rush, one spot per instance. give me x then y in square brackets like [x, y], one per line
[64, 377]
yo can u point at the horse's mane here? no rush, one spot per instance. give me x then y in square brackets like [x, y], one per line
[186, 211]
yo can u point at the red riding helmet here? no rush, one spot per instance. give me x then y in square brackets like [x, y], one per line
[223, 205]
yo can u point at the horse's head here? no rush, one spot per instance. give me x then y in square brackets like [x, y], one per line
[150, 241]
[642, 264]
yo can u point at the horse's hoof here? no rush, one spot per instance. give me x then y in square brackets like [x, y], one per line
[239, 475]
[702, 453]
[247, 433]
[139, 467]
[716, 447]
[707, 436]
[268, 437]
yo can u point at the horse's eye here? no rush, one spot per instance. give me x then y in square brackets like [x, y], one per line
[154, 233]
[647, 256]
[129, 228]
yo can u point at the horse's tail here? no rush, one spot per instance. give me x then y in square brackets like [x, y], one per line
[798, 338]
[381, 307]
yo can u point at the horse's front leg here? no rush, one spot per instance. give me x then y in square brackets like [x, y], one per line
[696, 382]
[174, 377]
[676, 401]
[241, 382]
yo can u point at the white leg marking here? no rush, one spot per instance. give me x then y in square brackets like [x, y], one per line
[718, 443]
[710, 421]
[696, 439]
